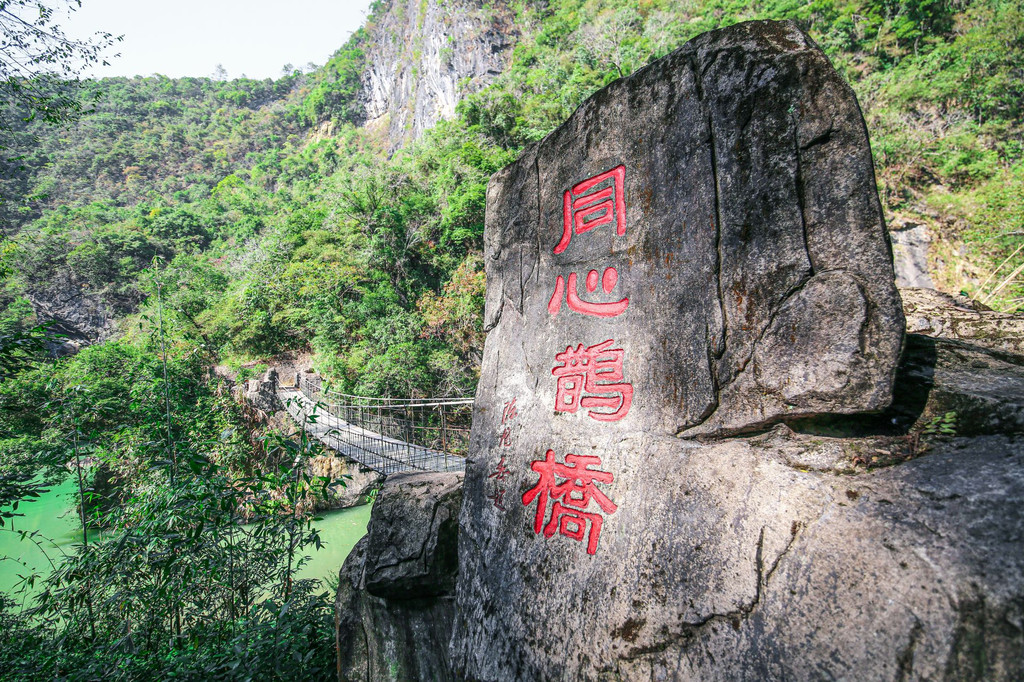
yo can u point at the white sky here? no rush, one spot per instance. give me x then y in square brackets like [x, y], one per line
[190, 37]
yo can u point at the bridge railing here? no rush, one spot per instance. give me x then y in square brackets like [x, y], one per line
[441, 425]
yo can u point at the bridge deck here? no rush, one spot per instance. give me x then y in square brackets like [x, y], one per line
[371, 449]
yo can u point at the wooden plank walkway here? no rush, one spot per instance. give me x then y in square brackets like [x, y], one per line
[371, 449]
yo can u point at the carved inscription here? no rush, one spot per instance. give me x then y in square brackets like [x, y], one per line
[570, 487]
[501, 472]
[592, 378]
[572, 298]
[499, 475]
[596, 201]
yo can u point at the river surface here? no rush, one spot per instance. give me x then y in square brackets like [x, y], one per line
[52, 515]
[55, 518]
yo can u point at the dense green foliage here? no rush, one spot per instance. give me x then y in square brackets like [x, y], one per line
[276, 223]
[40, 65]
[285, 226]
[941, 84]
[176, 584]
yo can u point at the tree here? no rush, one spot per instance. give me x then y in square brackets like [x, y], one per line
[40, 65]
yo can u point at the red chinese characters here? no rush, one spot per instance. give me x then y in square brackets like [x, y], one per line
[499, 475]
[570, 487]
[509, 412]
[572, 298]
[592, 377]
[596, 201]
[568, 494]
[508, 415]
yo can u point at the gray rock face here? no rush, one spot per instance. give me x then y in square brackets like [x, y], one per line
[699, 251]
[735, 217]
[395, 603]
[83, 316]
[750, 569]
[984, 388]
[934, 313]
[913, 572]
[412, 536]
[261, 393]
[910, 244]
[776, 556]
[426, 56]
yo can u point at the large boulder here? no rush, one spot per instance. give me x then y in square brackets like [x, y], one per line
[395, 603]
[690, 306]
[724, 199]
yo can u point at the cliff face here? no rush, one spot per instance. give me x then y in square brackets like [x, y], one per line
[81, 315]
[426, 55]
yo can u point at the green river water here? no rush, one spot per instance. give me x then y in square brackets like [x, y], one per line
[53, 515]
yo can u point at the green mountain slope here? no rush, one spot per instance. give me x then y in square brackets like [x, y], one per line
[278, 223]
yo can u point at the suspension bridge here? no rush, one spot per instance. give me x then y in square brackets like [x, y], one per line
[385, 434]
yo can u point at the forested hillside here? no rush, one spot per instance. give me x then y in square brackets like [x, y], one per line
[280, 223]
[222, 222]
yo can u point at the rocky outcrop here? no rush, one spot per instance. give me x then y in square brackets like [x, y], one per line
[426, 56]
[983, 389]
[937, 314]
[941, 384]
[262, 393]
[696, 256]
[910, 244]
[79, 314]
[394, 607]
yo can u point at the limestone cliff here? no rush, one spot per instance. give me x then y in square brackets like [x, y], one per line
[425, 55]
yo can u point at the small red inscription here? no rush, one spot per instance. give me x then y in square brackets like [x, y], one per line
[572, 298]
[591, 203]
[508, 412]
[597, 372]
[499, 475]
[570, 497]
